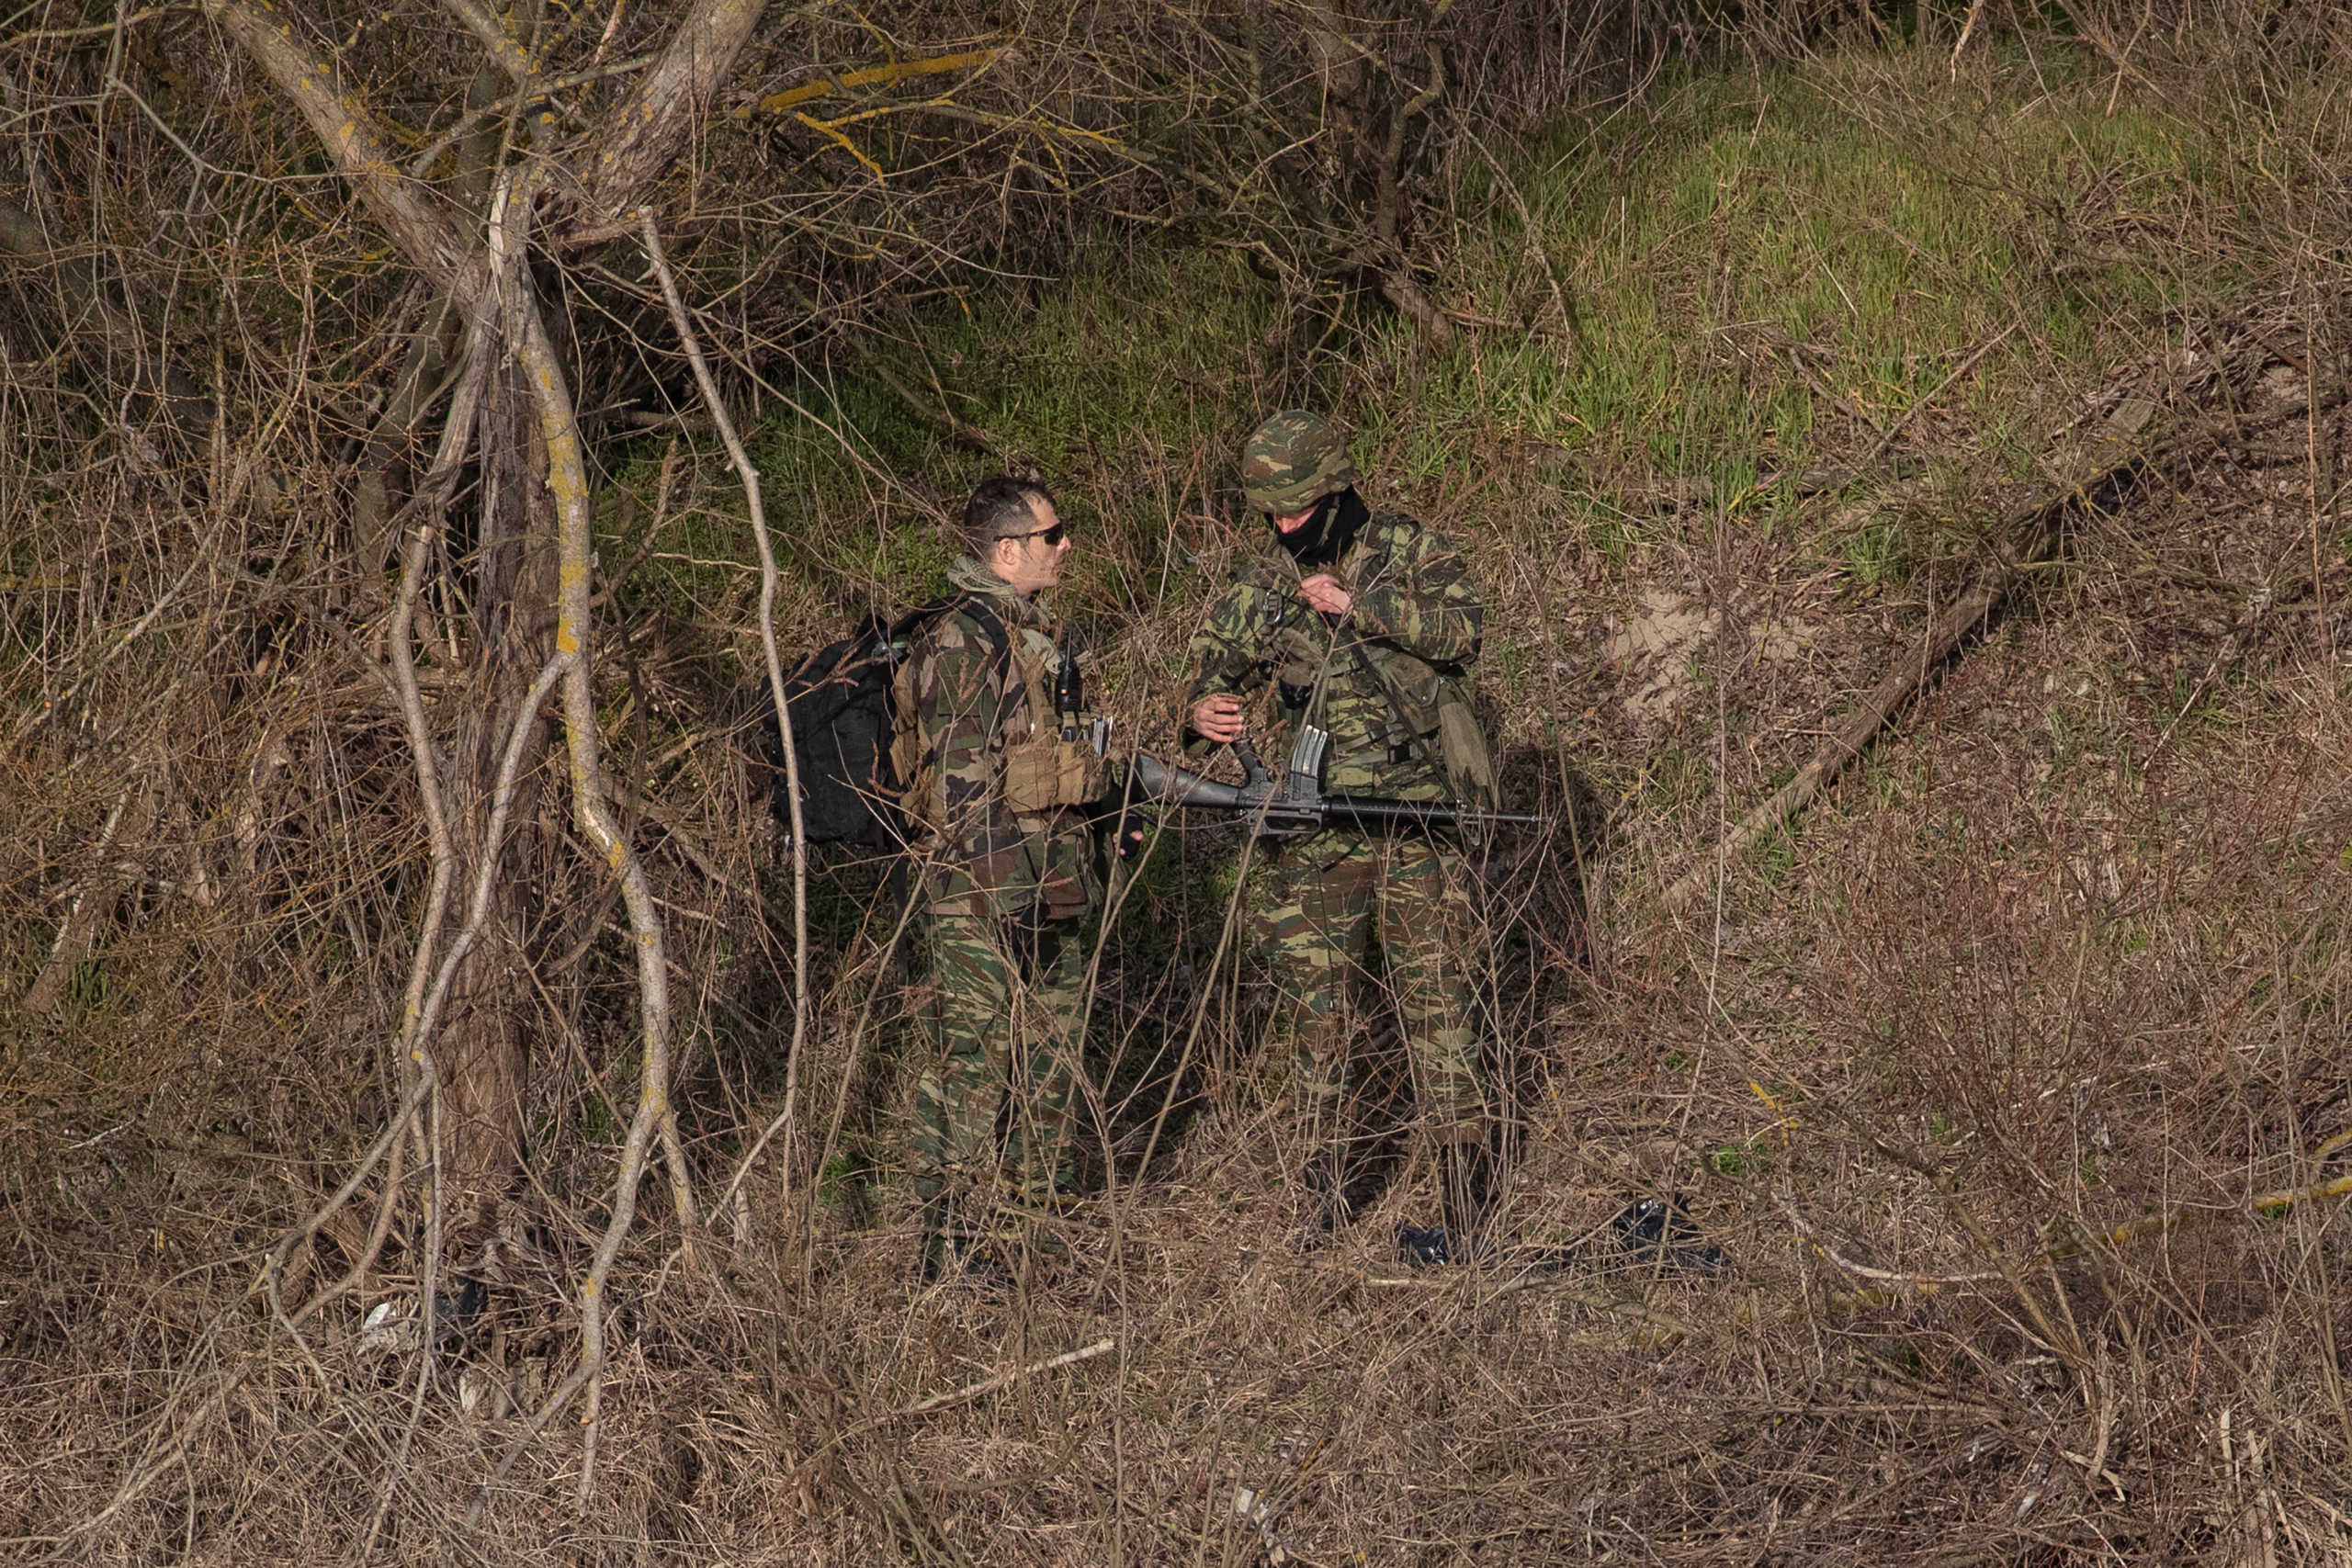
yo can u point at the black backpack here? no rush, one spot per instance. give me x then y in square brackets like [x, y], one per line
[840, 704]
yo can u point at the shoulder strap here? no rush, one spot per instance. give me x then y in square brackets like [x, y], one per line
[904, 748]
[1000, 636]
[915, 621]
[1387, 532]
[992, 630]
[1420, 723]
[991, 626]
[910, 622]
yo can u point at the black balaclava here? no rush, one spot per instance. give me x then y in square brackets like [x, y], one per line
[1323, 538]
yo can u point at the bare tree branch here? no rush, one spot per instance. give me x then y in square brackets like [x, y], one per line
[886, 75]
[750, 477]
[504, 49]
[343, 120]
[568, 480]
[655, 120]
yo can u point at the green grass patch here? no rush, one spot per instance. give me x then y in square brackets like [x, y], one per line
[1769, 272]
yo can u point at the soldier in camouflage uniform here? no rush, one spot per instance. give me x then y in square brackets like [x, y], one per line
[1007, 874]
[1343, 610]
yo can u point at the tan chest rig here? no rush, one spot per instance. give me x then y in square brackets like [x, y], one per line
[1049, 753]
[1050, 756]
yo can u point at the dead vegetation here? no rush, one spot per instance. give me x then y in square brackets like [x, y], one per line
[2011, 1075]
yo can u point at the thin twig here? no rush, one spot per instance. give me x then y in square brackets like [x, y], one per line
[768, 583]
[1863, 1270]
[1003, 1380]
[1887, 440]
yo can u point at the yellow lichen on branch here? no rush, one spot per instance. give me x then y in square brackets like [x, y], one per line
[870, 76]
[566, 481]
[340, 119]
[845, 144]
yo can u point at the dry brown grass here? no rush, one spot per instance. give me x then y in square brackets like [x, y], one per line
[2012, 993]
[1976, 1077]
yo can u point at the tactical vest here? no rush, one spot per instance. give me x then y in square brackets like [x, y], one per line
[1433, 707]
[1044, 750]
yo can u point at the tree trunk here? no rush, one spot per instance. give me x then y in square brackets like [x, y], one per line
[484, 1050]
[492, 1025]
[386, 463]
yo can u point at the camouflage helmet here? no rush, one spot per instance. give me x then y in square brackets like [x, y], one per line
[1294, 459]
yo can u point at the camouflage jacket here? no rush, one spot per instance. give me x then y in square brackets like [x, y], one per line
[1288, 664]
[971, 701]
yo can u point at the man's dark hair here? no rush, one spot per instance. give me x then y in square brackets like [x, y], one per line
[1001, 508]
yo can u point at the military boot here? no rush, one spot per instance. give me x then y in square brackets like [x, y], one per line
[1331, 1194]
[938, 1258]
[952, 1248]
[1466, 1195]
[1659, 1233]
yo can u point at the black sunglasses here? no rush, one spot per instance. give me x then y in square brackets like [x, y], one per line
[1053, 535]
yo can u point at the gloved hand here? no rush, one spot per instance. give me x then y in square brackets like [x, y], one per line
[1123, 814]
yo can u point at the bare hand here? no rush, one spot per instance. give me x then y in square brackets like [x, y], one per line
[1322, 592]
[1217, 719]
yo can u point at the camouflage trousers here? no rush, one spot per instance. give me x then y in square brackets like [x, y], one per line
[1319, 911]
[1001, 1036]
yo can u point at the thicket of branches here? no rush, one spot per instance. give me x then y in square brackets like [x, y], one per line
[300, 475]
[351, 826]
[322, 323]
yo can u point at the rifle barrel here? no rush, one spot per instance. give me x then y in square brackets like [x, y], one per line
[1367, 810]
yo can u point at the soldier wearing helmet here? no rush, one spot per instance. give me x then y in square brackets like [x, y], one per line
[1361, 624]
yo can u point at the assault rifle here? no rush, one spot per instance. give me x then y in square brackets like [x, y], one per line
[1295, 803]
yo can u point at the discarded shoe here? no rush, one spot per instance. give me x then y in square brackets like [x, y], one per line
[1437, 1246]
[393, 1326]
[1660, 1233]
[1424, 1248]
[453, 1316]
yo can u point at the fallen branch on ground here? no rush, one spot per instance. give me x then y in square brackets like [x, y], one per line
[2071, 1246]
[2112, 464]
[1002, 1380]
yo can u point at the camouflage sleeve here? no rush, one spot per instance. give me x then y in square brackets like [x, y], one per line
[960, 706]
[1424, 602]
[1224, 654]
